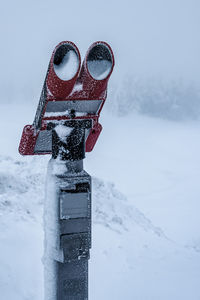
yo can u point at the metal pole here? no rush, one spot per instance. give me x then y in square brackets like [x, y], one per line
[67, 217]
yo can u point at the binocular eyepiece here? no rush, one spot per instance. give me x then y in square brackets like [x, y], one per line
[65, 65]
[99, 61]
[70, 92]
[66, 61]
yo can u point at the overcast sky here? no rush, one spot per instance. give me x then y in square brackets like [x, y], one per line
[148, 37]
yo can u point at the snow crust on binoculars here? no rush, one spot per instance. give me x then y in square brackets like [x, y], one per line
[68, 66]
[66, 62]
[70, 91]
[99, 62]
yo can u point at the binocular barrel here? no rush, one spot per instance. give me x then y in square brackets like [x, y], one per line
[99, 61]
[64, 68]
[70, 92]
[65, 65]
[97, 68]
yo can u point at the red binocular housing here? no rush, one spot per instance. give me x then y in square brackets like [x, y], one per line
[70, 92]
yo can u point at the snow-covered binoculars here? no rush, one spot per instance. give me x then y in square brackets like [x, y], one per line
[72, 95]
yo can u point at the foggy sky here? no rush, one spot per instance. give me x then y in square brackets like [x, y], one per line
[148, 37]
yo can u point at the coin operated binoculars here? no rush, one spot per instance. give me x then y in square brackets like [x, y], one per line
[66, 125]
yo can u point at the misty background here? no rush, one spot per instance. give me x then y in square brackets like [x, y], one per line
[145, 165]
[156, 44]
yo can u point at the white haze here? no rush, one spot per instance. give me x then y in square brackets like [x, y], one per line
[150, 38]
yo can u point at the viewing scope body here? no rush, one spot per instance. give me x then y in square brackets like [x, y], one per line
[72, 95]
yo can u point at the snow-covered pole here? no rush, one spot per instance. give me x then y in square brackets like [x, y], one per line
[67, 215]
[66, 125]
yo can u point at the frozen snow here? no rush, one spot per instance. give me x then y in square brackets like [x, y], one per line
[51, 229]
[65, 113]
[77, 88]
[68, 68]
[145, 168]
[145, 239]
[63, 131]
[99, 69]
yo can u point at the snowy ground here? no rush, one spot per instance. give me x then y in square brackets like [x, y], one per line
[146, 241]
